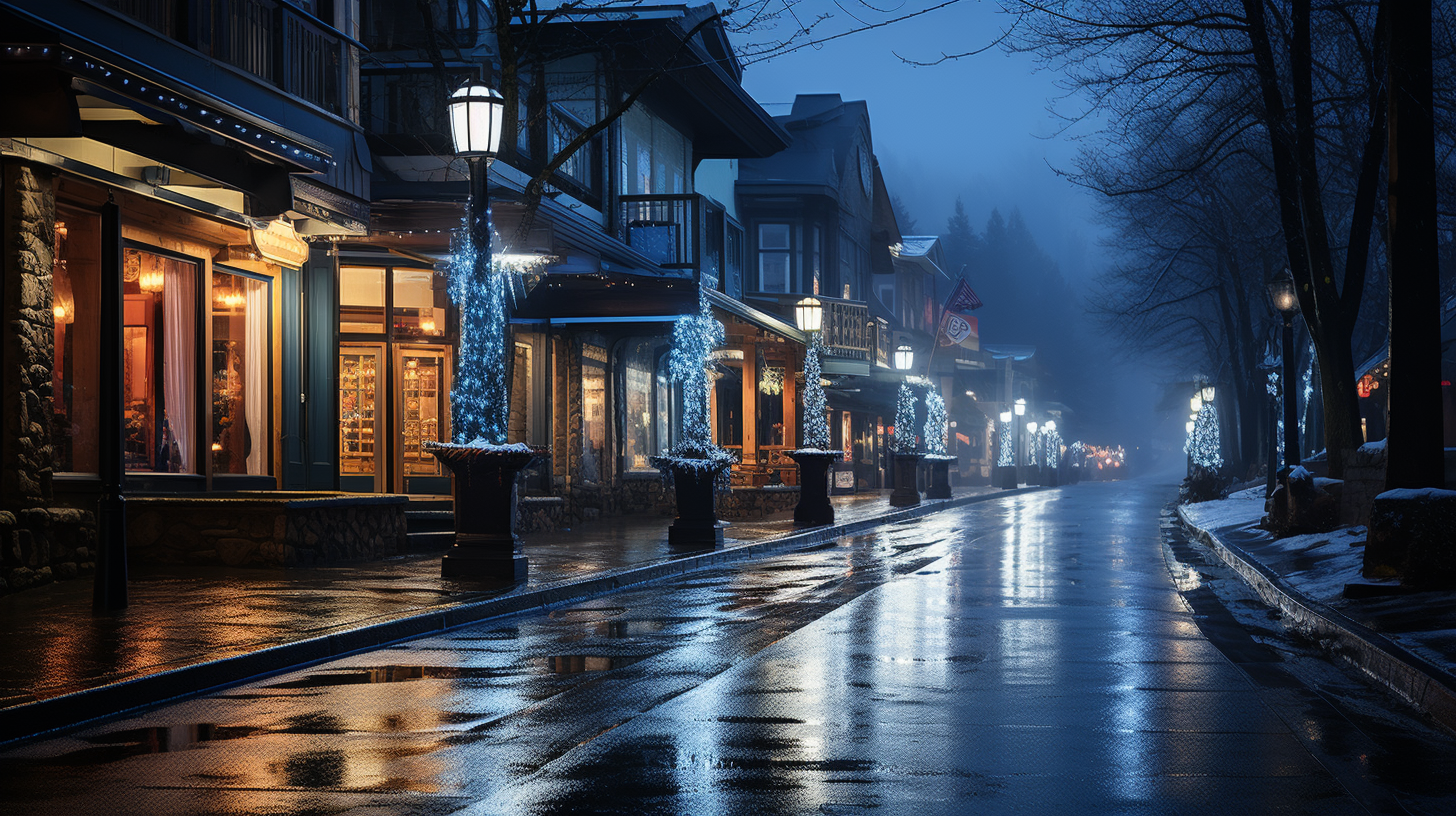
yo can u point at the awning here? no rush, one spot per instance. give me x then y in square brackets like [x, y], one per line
[718, 300]
[607, 298]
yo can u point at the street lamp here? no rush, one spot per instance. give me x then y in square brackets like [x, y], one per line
[1286, 301]
[476, 121]
[1206, 392]
[904, 357]
[1020, 407]
[809, 314]
[1195, 404]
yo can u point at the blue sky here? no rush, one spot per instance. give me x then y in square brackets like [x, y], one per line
[976, 127]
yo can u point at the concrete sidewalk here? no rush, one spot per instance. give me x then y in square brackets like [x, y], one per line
[1403, 640]
[188, 629]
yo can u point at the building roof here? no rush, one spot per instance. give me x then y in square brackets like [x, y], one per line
[823, 128]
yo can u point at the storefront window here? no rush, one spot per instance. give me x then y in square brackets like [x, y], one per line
[667, 405]
[522, 396]
[771, 405]
[728, 394]
[361, 300]
[240, 352]
[159, 373]
[419, 303]
[77, 283]
[593, 413]
[638, 395]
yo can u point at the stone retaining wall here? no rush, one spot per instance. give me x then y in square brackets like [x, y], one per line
[746, 503]
[1364, 479]
[269, 530]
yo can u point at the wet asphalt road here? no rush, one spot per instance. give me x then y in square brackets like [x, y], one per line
[1060, 652]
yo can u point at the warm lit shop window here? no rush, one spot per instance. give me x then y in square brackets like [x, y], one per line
[159, 342]
[419, 303]
[593, 413]
[638, 394]
[361, 300]
[75, 376]
[240, 346]
[770, 405]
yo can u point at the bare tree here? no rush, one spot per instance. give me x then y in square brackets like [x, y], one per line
[1305, 80]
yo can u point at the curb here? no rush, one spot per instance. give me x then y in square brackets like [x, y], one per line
[46, 717]
[1424, 685]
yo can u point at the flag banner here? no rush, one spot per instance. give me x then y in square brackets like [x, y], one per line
[963, 299]
[960, 330]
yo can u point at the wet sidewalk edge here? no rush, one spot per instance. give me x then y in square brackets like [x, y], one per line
[1428, 687]
[44, 718]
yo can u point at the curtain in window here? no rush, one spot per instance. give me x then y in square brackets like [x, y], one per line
[255, 373]
[179, 344]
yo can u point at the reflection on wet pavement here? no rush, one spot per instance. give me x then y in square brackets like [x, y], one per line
[1027, 655]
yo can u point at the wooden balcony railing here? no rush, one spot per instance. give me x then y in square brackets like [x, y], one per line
[664, 227]
[847, 329]
[274, 41]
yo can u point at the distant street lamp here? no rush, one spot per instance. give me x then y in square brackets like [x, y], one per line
[1021, 407]
[1195, 404]
[904, 358]
[1286, 301]
[809, 314]
[1206, 393]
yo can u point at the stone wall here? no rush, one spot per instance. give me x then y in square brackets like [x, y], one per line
[268, 530]
[38, 542]
[28, 204]
[1364, 479]
[747, 503]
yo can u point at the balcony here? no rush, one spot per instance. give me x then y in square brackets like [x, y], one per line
[274, 41]
[684, 231]
[849, 332]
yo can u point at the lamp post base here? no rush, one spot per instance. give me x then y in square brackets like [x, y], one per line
[814, 509]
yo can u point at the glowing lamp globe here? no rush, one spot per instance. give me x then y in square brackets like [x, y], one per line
[1188, 426]
[1031, 427]
[1207, 393]
[1005, 416]
[1051, 425]
[1021, 407]
[1282, 293]
[1195, 404]
[904, 358]
[476, 121]
[809, 314]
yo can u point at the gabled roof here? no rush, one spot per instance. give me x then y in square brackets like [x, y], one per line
[824, 129]
[700, 79]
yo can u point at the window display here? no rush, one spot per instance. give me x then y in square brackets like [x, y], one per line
[160, 375]
[240, 346]
[359, 375]
[422, 410]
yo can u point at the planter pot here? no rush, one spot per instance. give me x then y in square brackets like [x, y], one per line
[938, 485]
[1050, 477]
[695, 486]
[905, 494]
[814, 508]
[486, 545]
[1004, 477]
[1033, 475]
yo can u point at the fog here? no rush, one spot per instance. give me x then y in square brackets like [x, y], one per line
[979, 128]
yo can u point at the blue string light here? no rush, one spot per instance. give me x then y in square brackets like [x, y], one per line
[816, 424]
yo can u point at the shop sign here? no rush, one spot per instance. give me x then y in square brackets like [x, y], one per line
[280, 244]
[844, 479]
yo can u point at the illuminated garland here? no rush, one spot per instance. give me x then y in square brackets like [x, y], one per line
[935, 425]
[816, 424]
[904, 441]
[1052, 448]
[694, 337]
[1203, 444]
[1006, 454]
[480, 396]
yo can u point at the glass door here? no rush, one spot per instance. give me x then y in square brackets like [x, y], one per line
[361, 447]
[422, 414]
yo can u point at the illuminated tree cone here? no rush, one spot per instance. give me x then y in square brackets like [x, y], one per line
[907, 455]
[695, 467]
[814, 460]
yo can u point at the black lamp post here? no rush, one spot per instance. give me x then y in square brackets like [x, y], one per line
[1286, 301]
[476, 120]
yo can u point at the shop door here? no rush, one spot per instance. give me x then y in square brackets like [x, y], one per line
[362, 450]
[421, 414]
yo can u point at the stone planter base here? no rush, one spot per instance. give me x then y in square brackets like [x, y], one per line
[1004, 477]
[486, 545]
[1050, 477]
[938, 485]
[696, 526]
[814, 508]
[905, 494]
